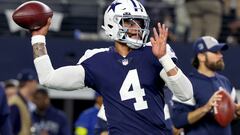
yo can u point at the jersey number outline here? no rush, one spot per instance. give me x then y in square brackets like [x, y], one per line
[136, 92]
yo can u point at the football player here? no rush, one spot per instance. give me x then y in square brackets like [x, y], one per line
[130, 75]
[196, 115]
[5, 121]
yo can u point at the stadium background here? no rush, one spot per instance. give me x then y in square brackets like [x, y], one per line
[79, 29]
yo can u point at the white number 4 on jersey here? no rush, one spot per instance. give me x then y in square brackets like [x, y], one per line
[136, 92]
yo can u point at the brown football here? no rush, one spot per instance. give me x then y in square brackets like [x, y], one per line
[32, 15]
[225, 109]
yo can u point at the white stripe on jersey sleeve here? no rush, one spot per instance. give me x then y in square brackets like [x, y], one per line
[56, 78]
[166, 112]
[101, 113]
[170, 51]
[89, 53]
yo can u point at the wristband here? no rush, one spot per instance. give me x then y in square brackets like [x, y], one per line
[167, 62]
[38, 39]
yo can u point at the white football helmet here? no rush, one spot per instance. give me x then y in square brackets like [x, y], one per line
[125, 10]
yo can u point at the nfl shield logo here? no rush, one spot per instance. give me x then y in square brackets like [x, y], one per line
[125, 62]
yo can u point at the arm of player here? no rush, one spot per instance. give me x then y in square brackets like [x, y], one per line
[180, 112]
[64, 78]
[197, 114]
[185, 112]
[177, 82]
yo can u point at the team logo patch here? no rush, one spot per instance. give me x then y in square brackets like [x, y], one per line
[200, 46]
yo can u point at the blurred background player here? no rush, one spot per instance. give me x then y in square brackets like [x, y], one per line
[11, 87]
[86, 121]
[196, 117]
[5, 124]
[46, 119]
[101, 123]
[28, 83]
[21, 104]
[130, 75]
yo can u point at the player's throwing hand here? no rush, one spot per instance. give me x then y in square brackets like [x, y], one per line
[43, 30]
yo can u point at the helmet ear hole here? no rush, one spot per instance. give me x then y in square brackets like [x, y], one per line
[110, 26]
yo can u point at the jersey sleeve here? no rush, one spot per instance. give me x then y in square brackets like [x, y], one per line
[89, 62]
[101, 126]
[180, 110]
[180, 114]
[63, 78]
[171, 52]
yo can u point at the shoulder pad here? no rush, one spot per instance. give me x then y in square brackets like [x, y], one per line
[91, 52]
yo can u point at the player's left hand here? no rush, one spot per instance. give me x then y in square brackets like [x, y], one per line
[159, 40]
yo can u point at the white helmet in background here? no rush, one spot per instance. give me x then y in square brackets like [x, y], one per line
[121, 10]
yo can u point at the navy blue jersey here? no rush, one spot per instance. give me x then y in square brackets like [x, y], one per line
[203, 87]
[54, 122]
[5, 126]
[131, 87]
[101, 126]
[168, 106]
[88, 119]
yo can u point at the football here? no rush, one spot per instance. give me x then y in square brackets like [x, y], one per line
[32, 15]
[225, 109]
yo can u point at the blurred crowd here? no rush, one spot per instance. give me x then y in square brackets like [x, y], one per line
[26, 107]
[186, 19]
[28, 110]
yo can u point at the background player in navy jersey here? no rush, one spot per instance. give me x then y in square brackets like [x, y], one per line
[46, 119]
[130, 75]
[196, 116]
[21, 103]
[5, 124]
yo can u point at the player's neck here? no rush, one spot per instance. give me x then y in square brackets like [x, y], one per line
[122, 49]
[205, 71]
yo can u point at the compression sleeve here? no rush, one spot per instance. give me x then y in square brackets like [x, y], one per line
[64, 78]
[179, 84]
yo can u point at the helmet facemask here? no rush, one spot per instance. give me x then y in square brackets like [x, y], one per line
[134, 37]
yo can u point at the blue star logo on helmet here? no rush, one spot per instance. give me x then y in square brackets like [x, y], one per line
[113, 6]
